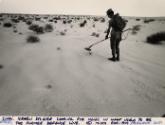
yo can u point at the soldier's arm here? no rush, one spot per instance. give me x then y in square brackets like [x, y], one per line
[109, 28]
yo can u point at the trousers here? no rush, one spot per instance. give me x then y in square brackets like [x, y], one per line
[115, 42]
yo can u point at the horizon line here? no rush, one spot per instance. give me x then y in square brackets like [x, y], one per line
[77, 15]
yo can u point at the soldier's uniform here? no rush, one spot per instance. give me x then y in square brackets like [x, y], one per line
[116, 37]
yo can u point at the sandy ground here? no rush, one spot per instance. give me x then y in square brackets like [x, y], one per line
[58, 77]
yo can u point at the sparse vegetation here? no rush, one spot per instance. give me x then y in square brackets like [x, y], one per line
[7, 25]
[33, 39]
[95, 19]
[156, 38]
[148, 20]
[36, 28]
[15, 20]
[64, 22]
[83, 23]
[62, 33]
[102, 20]
[69, 21]
[135, 29]
[95, 34]
[29, 22]
[50, 20]
[48, 28]
[137, 19]
[15, 31]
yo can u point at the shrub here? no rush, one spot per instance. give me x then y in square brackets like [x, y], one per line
[95, 34]
[1, 19]
[15, 20]
[156, 38]
[102, 20]
[137, 19]
[33, 39]
[48, 28]
[21, 18]
[69, 21]
[148, 20]
[7, 25]
[64, 22]
[62, 33]
[135, 29]
[83, 23]
[37, 18]
[15, 31]
[36, 28]
[28, 22]
[50, 20]
[95, 19]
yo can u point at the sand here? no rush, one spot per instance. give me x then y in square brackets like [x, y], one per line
[56, 76]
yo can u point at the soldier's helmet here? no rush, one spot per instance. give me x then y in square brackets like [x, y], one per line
[110, 12]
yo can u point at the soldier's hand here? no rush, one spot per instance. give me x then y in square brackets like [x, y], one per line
[106, 37]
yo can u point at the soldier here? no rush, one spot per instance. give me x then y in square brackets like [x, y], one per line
[117, 25]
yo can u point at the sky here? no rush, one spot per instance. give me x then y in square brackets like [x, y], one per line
[142, 8]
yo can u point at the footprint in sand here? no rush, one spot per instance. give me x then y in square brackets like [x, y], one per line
[58, 48]
[49, 86]
[1, 66]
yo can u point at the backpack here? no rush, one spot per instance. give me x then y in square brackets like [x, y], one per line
[118, 23]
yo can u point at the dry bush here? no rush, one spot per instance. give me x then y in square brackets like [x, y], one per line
[37, 18]
[33, 39]
[138, 19]
[95, 19]
[156, 38]
[135, 29]
[15, 20]
[15, 31]
[21, 18]
[7, 25]
[69, 21]
[1, 19]
[28, 22]
[102, 20]
[83, 23]
[148, 20]
[36, 28]
[64, 22]
[48, 28]
[50, 20]
[95, 34]
[62, 33]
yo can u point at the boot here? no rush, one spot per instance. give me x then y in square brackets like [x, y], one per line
[112, 58]
[118, 55]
